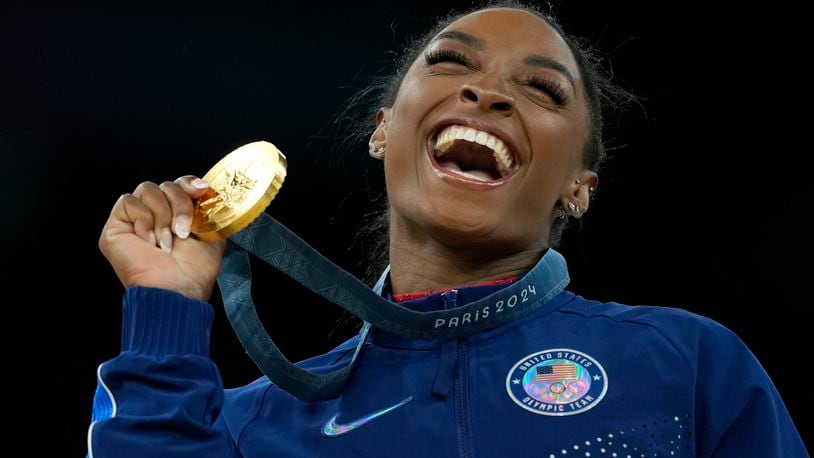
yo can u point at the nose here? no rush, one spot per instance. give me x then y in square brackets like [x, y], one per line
[487, 98]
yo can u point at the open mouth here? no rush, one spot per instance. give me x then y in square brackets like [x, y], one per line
[476, 155]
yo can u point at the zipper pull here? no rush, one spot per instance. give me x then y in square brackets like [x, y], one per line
[450, 299]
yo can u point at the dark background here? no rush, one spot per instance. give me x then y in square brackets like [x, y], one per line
[703, 207]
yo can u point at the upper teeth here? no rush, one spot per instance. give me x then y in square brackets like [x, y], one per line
[500, 152]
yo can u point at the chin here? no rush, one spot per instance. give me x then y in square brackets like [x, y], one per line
[460, 223]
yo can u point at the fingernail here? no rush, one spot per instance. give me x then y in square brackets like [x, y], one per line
[165, 239]
[182, 224]
[199, 183]
[151, 238]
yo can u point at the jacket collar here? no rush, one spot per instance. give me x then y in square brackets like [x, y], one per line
[551, 273]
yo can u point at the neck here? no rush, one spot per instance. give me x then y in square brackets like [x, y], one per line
[420, 262]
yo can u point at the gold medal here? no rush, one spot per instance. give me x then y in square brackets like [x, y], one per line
[241, 186]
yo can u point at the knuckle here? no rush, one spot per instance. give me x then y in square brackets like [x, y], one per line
[174, 192]
[144, 188]
[104, 240]
[125, 199]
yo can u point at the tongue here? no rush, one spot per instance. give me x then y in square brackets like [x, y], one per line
[479, 175]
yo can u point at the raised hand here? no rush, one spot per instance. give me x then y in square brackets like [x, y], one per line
[147, 240]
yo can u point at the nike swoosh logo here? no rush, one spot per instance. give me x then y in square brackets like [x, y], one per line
[334, 429]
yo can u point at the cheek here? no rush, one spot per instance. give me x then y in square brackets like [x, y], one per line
[558, 145]
[400, 160]
[400, 173]
[407, 107]
[406, 140]
[557, 152]
[418, 97]
[402, 133]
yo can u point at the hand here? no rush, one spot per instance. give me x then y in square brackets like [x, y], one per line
[146, 239]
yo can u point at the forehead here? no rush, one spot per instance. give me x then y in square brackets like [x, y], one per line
[504, 29]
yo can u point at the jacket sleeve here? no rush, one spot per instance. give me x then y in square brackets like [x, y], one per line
[162, 395]
[739, 412]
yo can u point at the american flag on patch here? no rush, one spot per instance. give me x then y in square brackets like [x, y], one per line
[556, 372]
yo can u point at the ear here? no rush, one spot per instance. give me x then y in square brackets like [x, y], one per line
[378, 139]
[577, 196]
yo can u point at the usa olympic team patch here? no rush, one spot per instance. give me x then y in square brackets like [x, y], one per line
[557, 382]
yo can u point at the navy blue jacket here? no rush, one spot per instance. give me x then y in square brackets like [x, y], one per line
[576, 378]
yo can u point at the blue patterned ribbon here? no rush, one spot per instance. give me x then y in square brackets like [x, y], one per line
[272, 242]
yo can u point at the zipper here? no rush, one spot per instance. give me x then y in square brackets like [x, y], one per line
[460, 376]
[462, 412]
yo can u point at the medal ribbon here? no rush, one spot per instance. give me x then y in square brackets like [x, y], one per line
[272, 242]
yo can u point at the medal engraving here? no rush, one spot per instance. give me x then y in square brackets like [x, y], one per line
[241, 186]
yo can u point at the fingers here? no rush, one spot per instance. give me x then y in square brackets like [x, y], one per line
[179, 193]
[156, 201]
[182, 208]
[135, 215]
[171, 205]
[154, 212]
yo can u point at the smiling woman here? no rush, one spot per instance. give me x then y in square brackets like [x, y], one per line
[491, 137]
[476, 211]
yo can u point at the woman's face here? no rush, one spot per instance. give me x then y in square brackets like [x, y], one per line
[487, 133]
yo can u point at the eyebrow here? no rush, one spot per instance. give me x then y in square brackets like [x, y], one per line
[465, 38]
[535, 60]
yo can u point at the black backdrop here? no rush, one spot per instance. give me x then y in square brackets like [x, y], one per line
[702, 208]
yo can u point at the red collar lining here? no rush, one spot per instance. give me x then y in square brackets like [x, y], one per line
[411, 296]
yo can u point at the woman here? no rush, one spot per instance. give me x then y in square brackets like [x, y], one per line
[491, 138]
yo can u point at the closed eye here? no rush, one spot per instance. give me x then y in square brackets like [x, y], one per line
[447, 55]
[551, 88]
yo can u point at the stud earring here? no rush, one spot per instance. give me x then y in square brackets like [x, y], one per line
[560, 213]
[377, 152]
[572, 207]
[579, 182]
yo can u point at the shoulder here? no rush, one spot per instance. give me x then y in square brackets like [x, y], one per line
[671, 321]
[689, 333]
